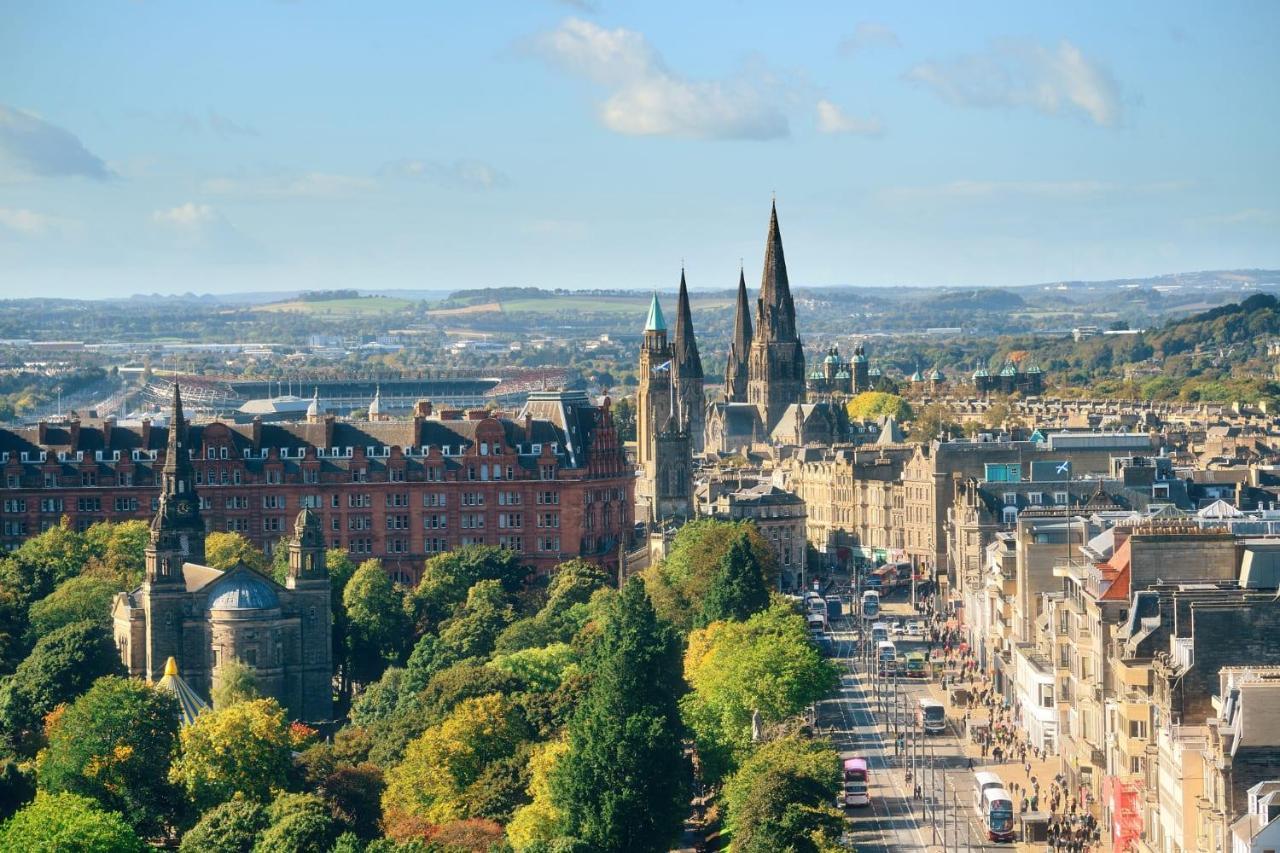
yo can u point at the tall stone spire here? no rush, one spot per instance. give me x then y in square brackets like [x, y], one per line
[776, 313]
[688, 362]
[177, 531]
[735, 375]
[776, 374]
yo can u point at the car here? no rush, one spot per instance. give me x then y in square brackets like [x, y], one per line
[898, 628]
[915, 628]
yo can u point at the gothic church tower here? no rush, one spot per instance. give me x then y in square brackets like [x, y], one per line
[688, 372]
[775, 366]
[663, 451]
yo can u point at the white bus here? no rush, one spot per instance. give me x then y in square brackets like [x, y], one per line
[879, 632]
[870, 604]
[886, 657]
[931, 715]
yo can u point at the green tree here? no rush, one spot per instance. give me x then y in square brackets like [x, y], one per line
[225, 550]
[354, 795]
[341, 569]
[873, 405]
[678, 584]
[447, 578]
[738, 588]
[44, 561]
[624, 783]
[447, 759]
[814, 761]
[119, 550]
[376, 620]
[115, 744]
[61, 666]
[237, 682]
[17, 787]
[783, 810]
[232, 827]
[932, 421]
[297, 823]
[766, 664]
[243, 749]
[79, 599]
[61, 822]
[541, 820]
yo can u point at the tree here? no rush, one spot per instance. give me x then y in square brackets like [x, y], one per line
[232, 827]
[115, 744]
[225, 550]
[44, 561]
[78, 599]
[61, 666]
[932, 422]
[447, 578]
[237, 682]
[297, 823]
[57, 822]
[624, 782]
[873, 405]
[475, 628]
[748, 805]
[784, 810]
[541, 819]
[678, 584]
[376, 619]
[766, 664]
[341, 570]
[441, 764]
[738, 588]
[354, 795]
[243, 749]
[17, 787]
[119, 550]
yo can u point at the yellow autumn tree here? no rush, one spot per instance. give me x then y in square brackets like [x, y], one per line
[241, 749]
[540, 820]
[445, 760]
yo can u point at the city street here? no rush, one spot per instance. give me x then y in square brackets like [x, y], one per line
[865, 719]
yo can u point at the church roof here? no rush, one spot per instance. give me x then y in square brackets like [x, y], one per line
[189, 702]
[242, 591]
[655, 322]
[776, 319]
[687, 358]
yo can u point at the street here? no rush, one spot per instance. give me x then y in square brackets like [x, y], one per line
[864, 719]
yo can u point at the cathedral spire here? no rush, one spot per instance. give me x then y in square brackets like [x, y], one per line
[776, 318]
[735, 379]
[688, 362]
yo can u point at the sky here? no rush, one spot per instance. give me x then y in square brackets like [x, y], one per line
[248, 146]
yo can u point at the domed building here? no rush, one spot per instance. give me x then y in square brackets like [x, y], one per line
[190, 617]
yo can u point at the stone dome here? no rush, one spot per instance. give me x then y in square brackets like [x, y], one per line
[242, 591]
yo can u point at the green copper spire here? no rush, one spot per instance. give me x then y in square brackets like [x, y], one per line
[655, 323]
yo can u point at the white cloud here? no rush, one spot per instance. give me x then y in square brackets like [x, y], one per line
[645, 98]
[869, 34]
[458, 174]
[27, 222]
[189, 215]
[1023, 74]
[309, 185]
[46, 150]
[832, 119]
[200, 230]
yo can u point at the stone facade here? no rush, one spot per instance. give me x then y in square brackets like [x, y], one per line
[204, 618]
[664, 452]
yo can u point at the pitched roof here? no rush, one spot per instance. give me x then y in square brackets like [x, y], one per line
[655, 322]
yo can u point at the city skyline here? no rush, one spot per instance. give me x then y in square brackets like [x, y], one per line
[300, 145]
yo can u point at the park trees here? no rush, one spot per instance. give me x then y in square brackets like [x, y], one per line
[377, 627]
[873, 405]
[115, 744]
[781, 796]
[241, 749]
[738, 587]
[55, 822]
[224, 550]
[623, 784]
[766, 664]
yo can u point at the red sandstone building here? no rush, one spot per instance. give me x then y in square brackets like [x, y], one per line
[551, 483]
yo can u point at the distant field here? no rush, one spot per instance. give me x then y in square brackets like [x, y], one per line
[372, 305]
[478, 308]
[637, 304]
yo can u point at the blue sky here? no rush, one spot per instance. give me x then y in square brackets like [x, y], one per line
[172, 147]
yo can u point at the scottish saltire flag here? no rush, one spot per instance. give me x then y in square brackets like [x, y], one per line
[666, 365]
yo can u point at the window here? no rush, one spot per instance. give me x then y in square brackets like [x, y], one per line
[1135, 765]
[397, 499]
[397, 522]
[1061, 498]
[513, 520]
[15, 505]
[13, 481]
[1138, 729]
[359, 475]
[473, 498]
[1010, 498]
[1046, 695]
[514, 543]
[395, 475]
[359, 522]
[1010, 515]
[548, 497]
[397, 546]
[550, 544]
[309, 475]
[237, 525]
[273, 478]
[311, 501]
[508, 499]
[237, 502]
[51, 504]
[359, 501]
[472, 520]
[548, 519]
[336, 524]
[435, 499]
[88, 478]
[272, 524]
[273, 501]
[435, 520]
[88, 505]
[1037, 498]
[123, 478]
[433, 545]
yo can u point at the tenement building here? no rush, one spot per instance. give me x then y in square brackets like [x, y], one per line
[204, 618]
[551, 483]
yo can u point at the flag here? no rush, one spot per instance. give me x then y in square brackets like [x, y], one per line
[666, 365]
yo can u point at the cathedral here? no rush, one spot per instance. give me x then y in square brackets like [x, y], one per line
[764, 389]
[202, 618]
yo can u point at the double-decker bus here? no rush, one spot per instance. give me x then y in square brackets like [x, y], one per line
[887, 657]
[994, 806]
[857, 784]
[915, 666]
[870, 604]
